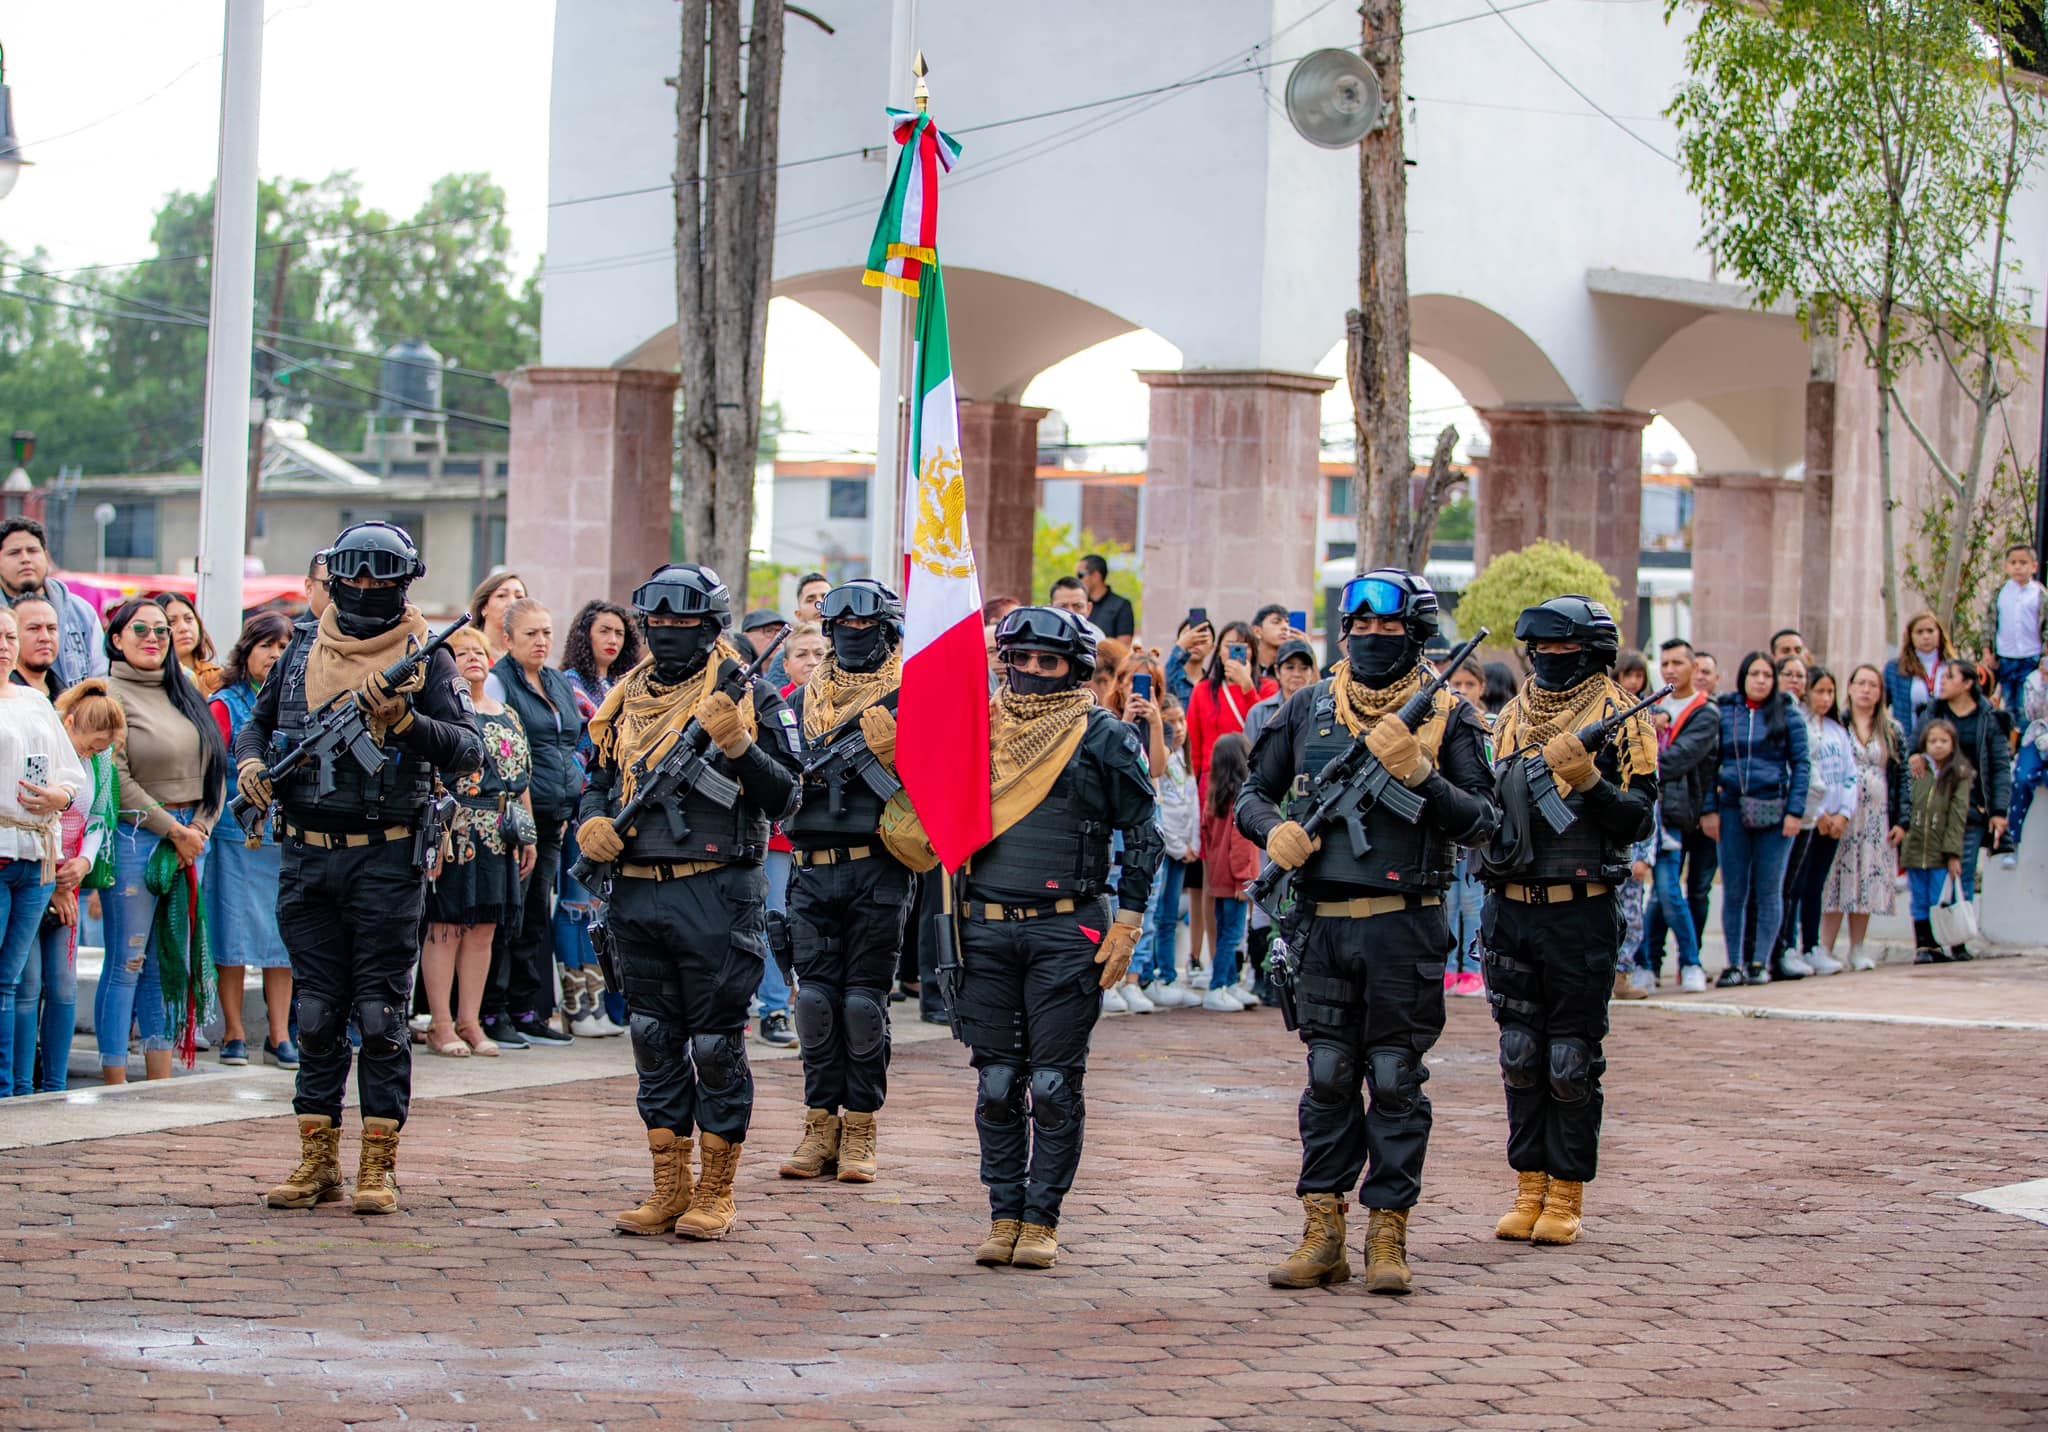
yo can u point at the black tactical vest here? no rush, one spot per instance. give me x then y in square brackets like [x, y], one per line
[396, 795]
[1581, 853]
[1058, 851]
[1403, 857]
[817, 824]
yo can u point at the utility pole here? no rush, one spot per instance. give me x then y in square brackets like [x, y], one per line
[265, 365]
[1377, 332]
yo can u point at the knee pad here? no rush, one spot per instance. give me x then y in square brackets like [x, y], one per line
[1055, 1100]
[320, 1024]
[384, 1036]
[1521, 1057]
[653, 1051]
[720, 1059]
[1332, 1073]
[999, 1099]
[867, 1024]
[814, 1016]
[1571, 1071]
[1395, 1078]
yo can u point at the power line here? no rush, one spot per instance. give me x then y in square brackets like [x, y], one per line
[1572, 85]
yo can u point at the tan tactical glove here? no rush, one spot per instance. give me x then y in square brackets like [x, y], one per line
[720, 719]
[599, 839]
[379, 701]
[1398, 751]
[1119, 943]
[250, 782]
[1290, 845]
[1569, 762]
[878, 725]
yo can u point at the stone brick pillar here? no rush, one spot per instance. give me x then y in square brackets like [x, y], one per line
[1748, 546]
[999, 459]
[1233, 488]
[587, 501]
[1571, 475]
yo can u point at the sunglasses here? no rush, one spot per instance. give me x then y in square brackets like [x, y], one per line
[148, 631]
[1043, 661]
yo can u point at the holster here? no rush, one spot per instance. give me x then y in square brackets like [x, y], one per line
[607, 959]
[781, 945]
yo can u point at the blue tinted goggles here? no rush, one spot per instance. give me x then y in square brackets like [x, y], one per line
[1374, 596]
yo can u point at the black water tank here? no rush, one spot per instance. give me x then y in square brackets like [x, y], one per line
[411, 381]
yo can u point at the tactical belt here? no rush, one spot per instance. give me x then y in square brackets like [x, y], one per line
[995, 914]
[1367, 906]
[322, 840]
[1556, 894]
[677, 870]
[839, 856]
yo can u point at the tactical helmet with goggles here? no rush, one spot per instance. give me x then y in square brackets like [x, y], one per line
[1569, 621]
[1052, 631]
[1390, 592]
[379, 551]
[684, 589]
[866, 598]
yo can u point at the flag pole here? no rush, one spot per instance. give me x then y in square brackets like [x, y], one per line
[886, 494]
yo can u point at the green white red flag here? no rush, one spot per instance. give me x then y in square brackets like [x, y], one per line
[906, 240]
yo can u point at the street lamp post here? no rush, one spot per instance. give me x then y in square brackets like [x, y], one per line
[11, 161]
[103, 517]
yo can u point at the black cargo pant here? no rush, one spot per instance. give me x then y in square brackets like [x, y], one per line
[1369, 994]
[351, 922]
[521, 982]
[690, 954]
[846, 927]
[1549, 974]
[1030, 993]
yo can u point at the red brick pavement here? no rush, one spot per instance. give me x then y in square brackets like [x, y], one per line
[1776, 1244]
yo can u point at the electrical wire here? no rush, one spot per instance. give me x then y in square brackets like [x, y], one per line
[1572, 85]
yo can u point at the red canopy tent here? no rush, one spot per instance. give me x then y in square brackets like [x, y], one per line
[107, 590]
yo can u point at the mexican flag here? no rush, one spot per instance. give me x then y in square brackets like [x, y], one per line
[906, 241]
[942, 742]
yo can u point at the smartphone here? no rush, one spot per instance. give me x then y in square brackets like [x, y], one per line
[1198, 616]
[1141, 684]
[36, 770]
[1240, 653]
[1298, 620]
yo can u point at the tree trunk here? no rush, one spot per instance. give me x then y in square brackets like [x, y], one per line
[696, 462]
[1421, 521]
[1882, 362]
[1377, 331]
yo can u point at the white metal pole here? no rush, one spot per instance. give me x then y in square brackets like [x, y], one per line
[885, 494]
[230, 334]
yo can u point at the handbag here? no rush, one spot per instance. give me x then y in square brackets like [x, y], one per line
[1762, 812]
[1953, 919]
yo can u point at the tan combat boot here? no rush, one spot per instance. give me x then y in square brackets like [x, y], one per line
[1320, 1258]
[377, 1174]
[671, 1187]
[1519, 1220]
[1001, 1242]
[1386, 1251]
[818, 1151]
[857, 1151]
[711, 1208]
[317, 1179]
[1561, 1209]
[1037, 1247]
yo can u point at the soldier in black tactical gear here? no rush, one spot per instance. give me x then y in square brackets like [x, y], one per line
[353, 885]
[688, 909]
[1369, 926]
[1552, 922]
[1040, 937]
[849, 897]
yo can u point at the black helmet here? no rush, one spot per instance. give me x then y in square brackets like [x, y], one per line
[378, 550]
[1579, 619]
[1052, 630]
[863, 597]
[684, 589]
[1391, 592]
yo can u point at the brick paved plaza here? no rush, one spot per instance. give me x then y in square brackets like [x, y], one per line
[1776, 1241]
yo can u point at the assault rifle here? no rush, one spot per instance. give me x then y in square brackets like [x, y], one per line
[687, 766]
[426, 841]
[1543, 785]
[849, 753]
[338, 728]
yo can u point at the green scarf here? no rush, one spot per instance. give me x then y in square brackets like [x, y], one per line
[183, 960]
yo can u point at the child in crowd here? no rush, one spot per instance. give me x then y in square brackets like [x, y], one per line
[1933, 849]
[2019, 617]
[1232, 862]
[2030, 771]
[1632, 978]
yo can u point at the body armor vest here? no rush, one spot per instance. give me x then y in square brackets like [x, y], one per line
[817, 824]
[396, 794]
[1582, 852]
[1059, 851]
[711, 832]
[1403, 857]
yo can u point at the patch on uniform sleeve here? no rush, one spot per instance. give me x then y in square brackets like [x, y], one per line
[789, 732]
[462, 699]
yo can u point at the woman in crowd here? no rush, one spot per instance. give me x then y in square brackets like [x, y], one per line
[44, 778]
[1143, 713]
[1466, 898]
[1755, 811]
[1501, 687]
[92, 724]
[1217, 707]
[1861, 885]
[241, 879]
[803, 653]
[493, 597]
[1833, 795]
[476, 887]
[1912, 679]
[1233, 862]
[1179, 814]
[603, 645]
[190, 641]
[172, 767]
[1984, 739]
[1632, 674]
[1784, 962]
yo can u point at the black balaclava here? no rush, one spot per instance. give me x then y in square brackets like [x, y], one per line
[862, 650]
[363, 612]
[1562, 670]
[680, 652]
[1037, 683]
[1379, 661]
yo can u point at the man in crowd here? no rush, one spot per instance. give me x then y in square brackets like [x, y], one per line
[850, 898]
[1111, 613]
[1272, 630]
[35, 662]
[1553, 927]
[688, 892]
[1706, 674]
[25, 571]
[1787, 642]
[353, 886]
[810, 597]
[317, 599]
[1068, 595]
[1295, 669]
[1035, 922]
[759, 629]
[1369, 988]
[1689, 742]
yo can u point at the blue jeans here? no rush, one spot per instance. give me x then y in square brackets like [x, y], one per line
[773, 991]
[2029, 774]
[1232, 918]
[1676, 909]
[23, 898]
[47, 1002]
[1467, 901]
[130, 990]
[1924, 889]
[1161, 940]
[1752, 860]
[2013, 672]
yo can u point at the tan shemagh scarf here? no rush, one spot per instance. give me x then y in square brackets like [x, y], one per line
[1030, 739]
[1535, 715]
[1360, 707]
[833, 697]
[640, 718]
[340, 663]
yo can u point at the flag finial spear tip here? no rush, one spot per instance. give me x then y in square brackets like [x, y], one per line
[921, 95]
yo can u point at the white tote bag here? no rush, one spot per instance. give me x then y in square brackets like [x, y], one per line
[1954, 919]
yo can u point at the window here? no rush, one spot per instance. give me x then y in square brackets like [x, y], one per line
[1340, 497]
[131, 536]
[486, 545]
[847, 497]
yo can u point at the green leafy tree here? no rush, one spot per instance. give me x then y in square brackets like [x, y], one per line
[1056, 551]
[51, 380]
[1515, 581]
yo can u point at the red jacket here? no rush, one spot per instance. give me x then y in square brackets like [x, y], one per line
[1229, 861]
[1215, 712]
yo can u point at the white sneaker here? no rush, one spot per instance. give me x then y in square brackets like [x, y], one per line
[1168, 996]
[1823, 963]
[1244, 996]
[2010, 860]
[1644, 981]
[1222, 1001]
[1113, 1003]
[1860, 959]
[1795, 964]
[1693, 979]
[1198, 978]
[1135, 1001]
[420, 1023]
[590, 1026]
